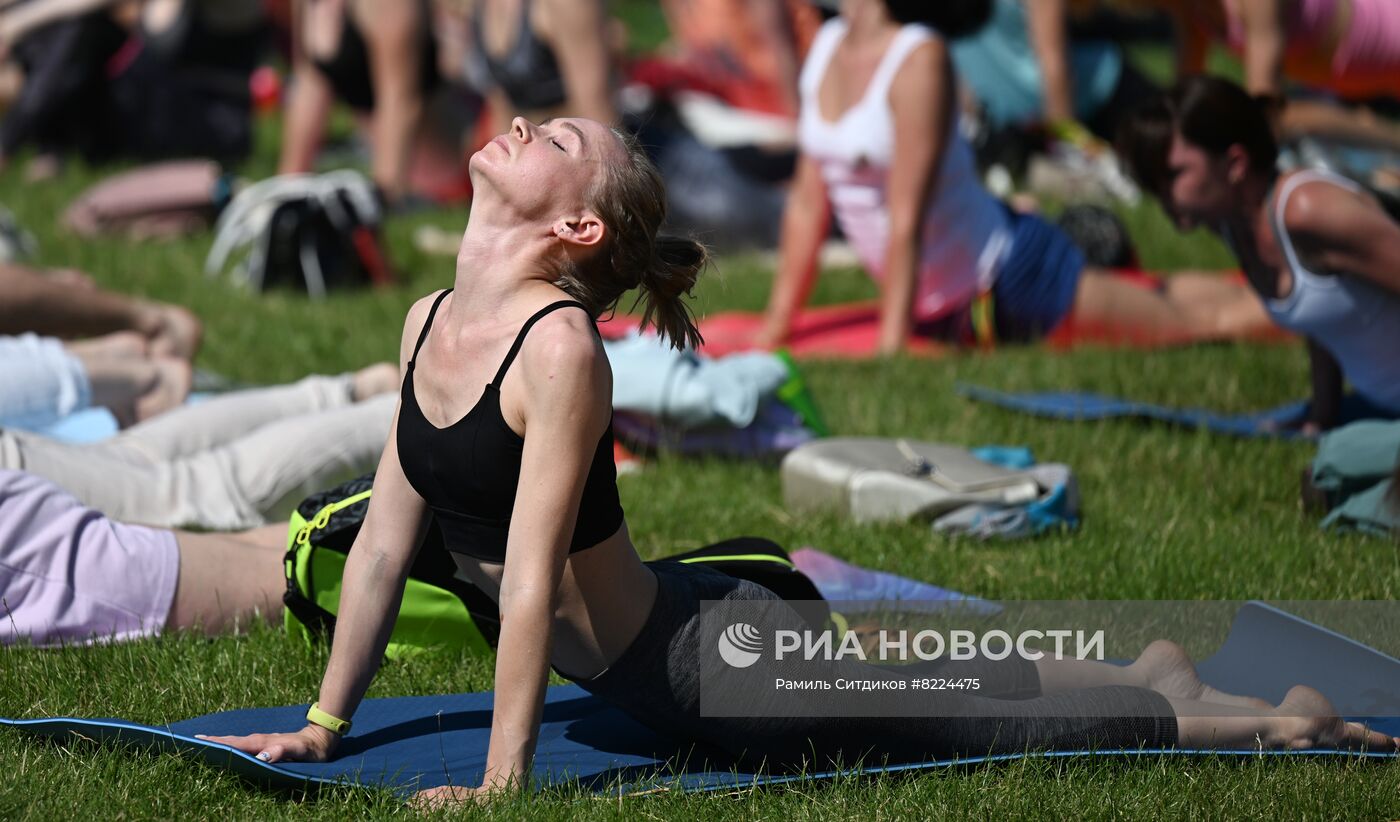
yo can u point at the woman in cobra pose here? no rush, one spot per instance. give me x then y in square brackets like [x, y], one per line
[880, 148]
[503, 435]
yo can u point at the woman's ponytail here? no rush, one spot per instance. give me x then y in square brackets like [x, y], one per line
[676, 263]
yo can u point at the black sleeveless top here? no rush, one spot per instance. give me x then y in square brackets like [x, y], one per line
[528, 72]
[348, 69]
[468, 471]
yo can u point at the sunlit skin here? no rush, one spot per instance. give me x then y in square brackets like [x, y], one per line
[532, 168]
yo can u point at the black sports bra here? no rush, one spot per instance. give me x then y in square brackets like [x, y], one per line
[528, 72]
[468, 471]
[348, 69]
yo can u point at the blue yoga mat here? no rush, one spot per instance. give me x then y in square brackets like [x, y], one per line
[1278, 422]
[409, 743]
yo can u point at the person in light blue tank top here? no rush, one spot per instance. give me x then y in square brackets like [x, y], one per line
[1319, 250]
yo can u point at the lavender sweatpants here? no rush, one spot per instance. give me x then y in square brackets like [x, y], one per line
[68, 574]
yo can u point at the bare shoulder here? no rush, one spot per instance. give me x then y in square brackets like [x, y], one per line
[921, 75]
[1321, 207]
[565, 338]
[928, 54]
[562, 354]
[1344, 230]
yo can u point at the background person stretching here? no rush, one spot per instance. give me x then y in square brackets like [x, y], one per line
[880, 147]
[225, 463]
[1320, 251]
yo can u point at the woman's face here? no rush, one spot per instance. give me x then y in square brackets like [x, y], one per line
[1198, 186]
[546, 170]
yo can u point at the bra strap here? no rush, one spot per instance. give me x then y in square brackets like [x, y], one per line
[525, 329]
[423, 335]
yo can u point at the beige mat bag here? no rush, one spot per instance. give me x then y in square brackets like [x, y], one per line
[870, 479]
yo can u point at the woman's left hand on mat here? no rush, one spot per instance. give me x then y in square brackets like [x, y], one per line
[311, 744]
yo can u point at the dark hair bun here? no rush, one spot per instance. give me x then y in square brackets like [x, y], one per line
[952, 18]
[1215, 113]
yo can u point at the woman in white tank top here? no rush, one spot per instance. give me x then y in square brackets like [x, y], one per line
[881, 150]
[1321, 252]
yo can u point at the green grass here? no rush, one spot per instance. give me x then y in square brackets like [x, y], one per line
[1168, 515]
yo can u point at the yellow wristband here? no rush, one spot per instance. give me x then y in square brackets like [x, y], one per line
[336, 725]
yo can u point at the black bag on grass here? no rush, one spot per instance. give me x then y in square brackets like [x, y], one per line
[440, 610]
[315, 233]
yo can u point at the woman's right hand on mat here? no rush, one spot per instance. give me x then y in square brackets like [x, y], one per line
[311, 744]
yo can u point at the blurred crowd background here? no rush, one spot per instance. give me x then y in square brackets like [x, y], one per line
[711, 86]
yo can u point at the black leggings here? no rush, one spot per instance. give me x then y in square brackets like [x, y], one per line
[657, 680]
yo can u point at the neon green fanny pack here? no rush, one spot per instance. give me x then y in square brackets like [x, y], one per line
[438, 610]
[442, 612]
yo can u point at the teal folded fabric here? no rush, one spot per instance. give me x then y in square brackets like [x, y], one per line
[1353, 469]
[1373, 511]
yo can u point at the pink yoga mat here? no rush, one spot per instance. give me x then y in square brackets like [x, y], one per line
[847, 331]
[851, 331]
